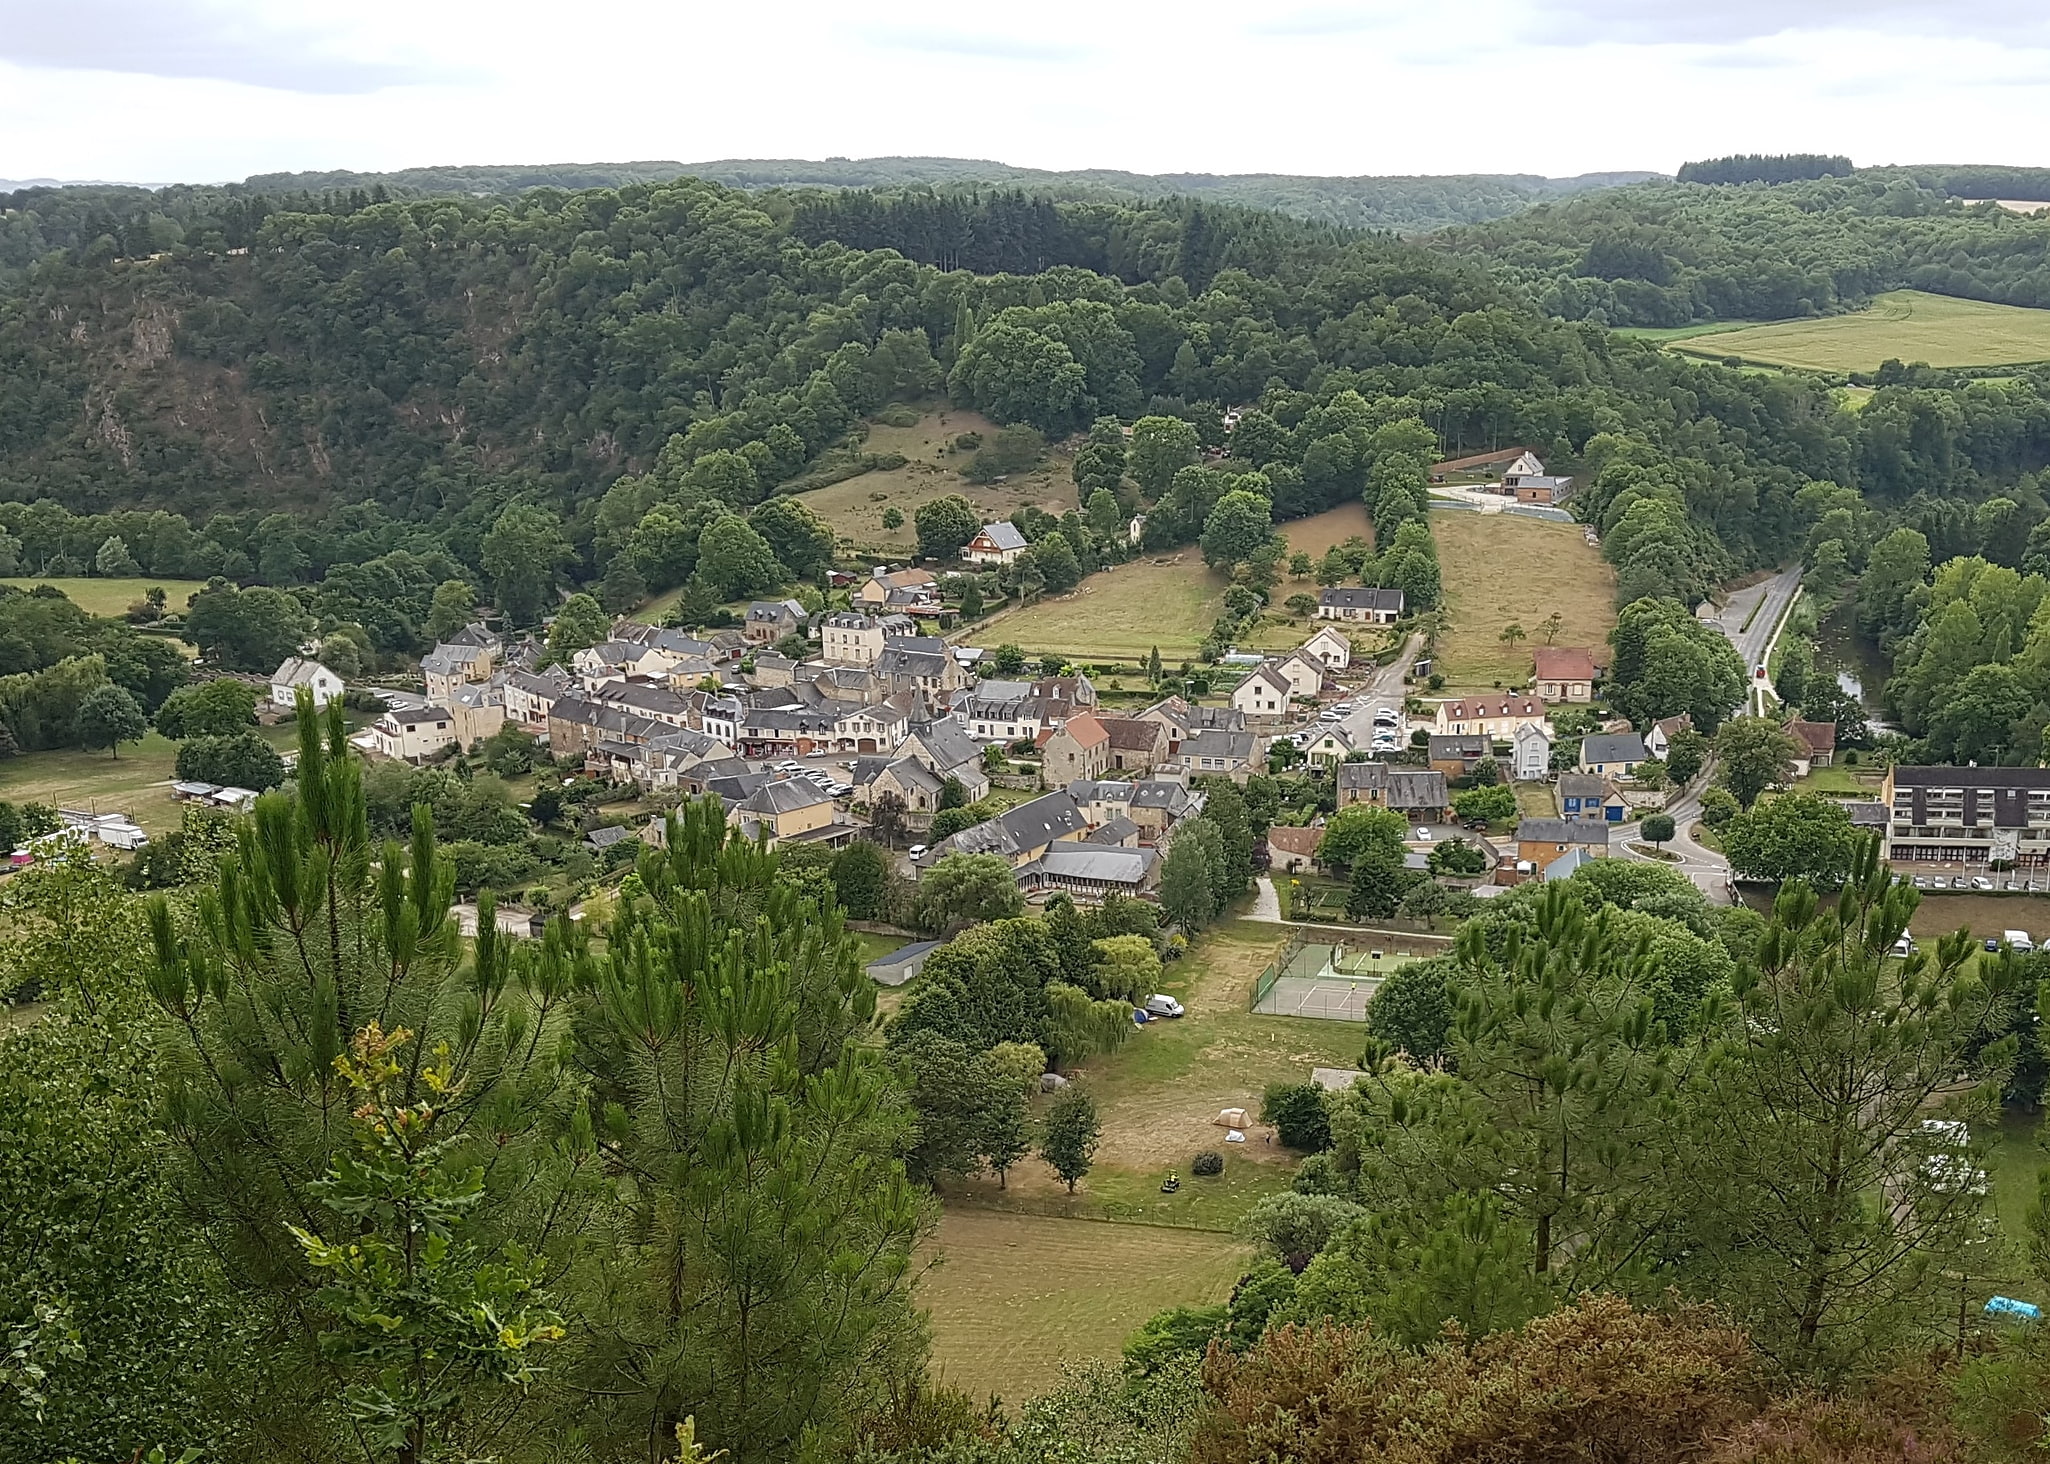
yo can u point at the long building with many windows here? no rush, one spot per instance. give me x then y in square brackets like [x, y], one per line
[1973, 816]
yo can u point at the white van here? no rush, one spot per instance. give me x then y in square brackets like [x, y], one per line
[2019, 939]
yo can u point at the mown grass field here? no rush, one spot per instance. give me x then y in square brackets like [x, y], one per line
[1014, 1296]
[1503, 569]
[114, 596]
[136, 783]
[1121, 613]
[855, 506]
[1903, 325]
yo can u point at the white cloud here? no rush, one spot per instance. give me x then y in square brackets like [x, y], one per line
[213, 89]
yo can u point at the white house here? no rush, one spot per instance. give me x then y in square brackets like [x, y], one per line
[1531, 761]
[998, 543]
[1329, 647]
[1305, 674]
[1265, 693]
[1372, 605]
[297, 672]
[411, 734]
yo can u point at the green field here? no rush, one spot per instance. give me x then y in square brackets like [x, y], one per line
[1904, 325]
[1014, 1296]
[1683, 332]
[137, 783]
[1503, 569]
[1119, 614]
[854, 507]
[114, 596]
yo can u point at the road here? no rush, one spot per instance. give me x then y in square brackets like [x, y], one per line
[1754, 646]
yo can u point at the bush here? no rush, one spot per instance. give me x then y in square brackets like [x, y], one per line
[1206, 1163]
[1299, 1115]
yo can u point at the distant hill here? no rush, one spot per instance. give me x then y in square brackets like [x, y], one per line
[1409, 205]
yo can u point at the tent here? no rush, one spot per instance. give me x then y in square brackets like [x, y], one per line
[1231, 1118]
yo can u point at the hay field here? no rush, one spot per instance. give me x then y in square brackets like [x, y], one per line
[854, 507]
[1904, 325]
[1503, 568]
[1014, 1296]
[113, 596]
[1319, 532]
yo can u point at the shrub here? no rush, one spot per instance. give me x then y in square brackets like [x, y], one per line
[1206, 1163]
[1300, 1116]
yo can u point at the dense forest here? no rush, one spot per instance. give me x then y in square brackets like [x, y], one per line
[1672, 254]
[396, 377]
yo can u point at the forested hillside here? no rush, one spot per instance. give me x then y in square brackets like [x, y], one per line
[1668, 254]
[421, 365]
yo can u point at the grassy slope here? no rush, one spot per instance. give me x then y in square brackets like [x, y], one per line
[1015, 1296]
[1905, 325]
[113, 596]
[855, 506]
[1120, 613]
[1502, 568]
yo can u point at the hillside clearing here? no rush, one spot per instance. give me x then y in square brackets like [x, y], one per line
[112, 597]
[1120, 613]
[1903, 325]
[1504, 569]
[1319, 532]
[1014, 1296]
[854, 507]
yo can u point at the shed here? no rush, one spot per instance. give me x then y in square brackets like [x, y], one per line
[900, 965]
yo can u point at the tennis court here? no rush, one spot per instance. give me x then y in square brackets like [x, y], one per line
[1332, 981]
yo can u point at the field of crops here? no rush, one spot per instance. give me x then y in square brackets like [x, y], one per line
[1905, 325]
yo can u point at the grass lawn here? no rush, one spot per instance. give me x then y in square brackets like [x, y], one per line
[2012, 1162]
[1905, 325]
[1683, 332]
[1501, 569]
[114, 596]
[1014, 1296]
[854, 507]
[1120, 613]
[1536, 800]
[135, 783]
[1842, 781]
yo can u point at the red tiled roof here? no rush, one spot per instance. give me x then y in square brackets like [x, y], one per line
[1302, 842]
[1563, 663]
[1087, 731]
[1817, 737]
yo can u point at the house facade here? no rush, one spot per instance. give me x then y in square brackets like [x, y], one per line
[1588, 795]
[1078, 749]
[1369, 606]
[296, 672]
[1530, 758]
[1265, 693]
[1330, 648]
[1542, 841]
[413, 735]
[849, 638]
[1494, 716]
[998, 543]
[1563, 673]
[1419, 794]
[1612, 754]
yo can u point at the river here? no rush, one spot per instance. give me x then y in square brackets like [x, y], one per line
[1859, 668]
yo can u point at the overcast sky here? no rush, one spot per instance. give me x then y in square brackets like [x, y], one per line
[202, 90]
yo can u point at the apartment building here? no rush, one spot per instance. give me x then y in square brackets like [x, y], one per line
[1973, 816]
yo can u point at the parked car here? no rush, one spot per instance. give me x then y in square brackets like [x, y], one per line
[1159, 1005]
[1981, 883]
[915, 850]
[1904, 947]
[2019, 939]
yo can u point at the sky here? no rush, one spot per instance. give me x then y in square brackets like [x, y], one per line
[210, 90]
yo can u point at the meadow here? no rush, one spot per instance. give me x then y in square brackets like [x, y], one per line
[1504, 569]
[136, 783]
[1121, 613]
[1319, 532]
[1904, 325]
[1014, 1296]
[112, 597]
[855, 506]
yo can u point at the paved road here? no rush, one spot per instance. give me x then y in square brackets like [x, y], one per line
[1708, 869]
[1266, 903]
[1754, 646]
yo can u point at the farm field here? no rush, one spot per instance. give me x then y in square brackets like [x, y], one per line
[855, 506]
[1014, 1296]
[1120, 613]
[136, 783]
[1904, 325]
[1503, 569]
[113, 596]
